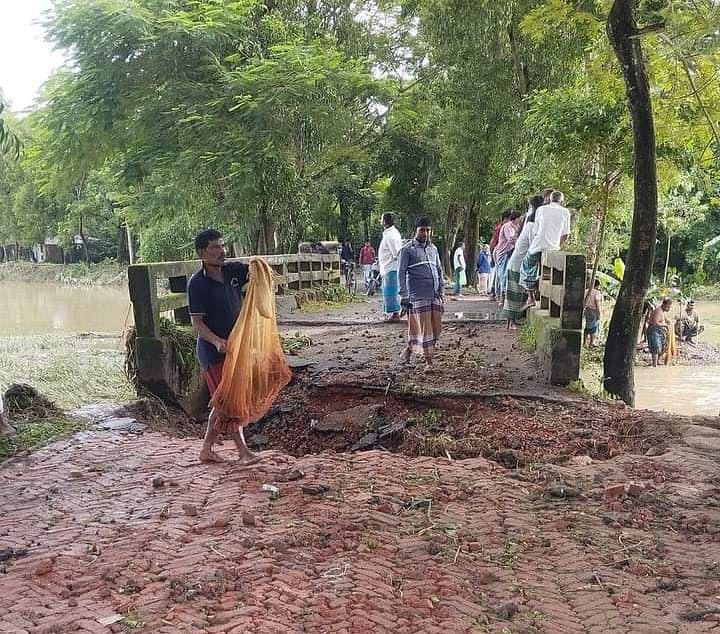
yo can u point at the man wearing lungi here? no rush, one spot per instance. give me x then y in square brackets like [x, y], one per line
[388, 261]
[215, 298]
[550, 233]
[658, 330]
[421, 289]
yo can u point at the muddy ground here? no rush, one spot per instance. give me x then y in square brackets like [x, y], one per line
[470, 499]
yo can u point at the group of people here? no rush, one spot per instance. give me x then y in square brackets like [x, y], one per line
[367, 258]
[508, 267]
[412, 282]
[660, 334]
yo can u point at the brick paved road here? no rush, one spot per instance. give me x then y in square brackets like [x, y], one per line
[396, 545]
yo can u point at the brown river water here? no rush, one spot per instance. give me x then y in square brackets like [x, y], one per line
[35, 308]
[38, 309]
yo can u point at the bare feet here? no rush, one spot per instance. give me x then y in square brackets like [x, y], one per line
[208, 455]
[405, 356]
[248, 458]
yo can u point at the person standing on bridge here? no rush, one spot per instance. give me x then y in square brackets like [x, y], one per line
[215, 298]
[550, 233]
[459, 269]
[515, 296]
[422, 291]
[483, 269]
[505, 246]
[388, 251]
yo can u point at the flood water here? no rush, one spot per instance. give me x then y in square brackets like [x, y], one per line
[36, 308]
[684, 389]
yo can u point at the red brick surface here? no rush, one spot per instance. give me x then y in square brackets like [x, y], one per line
[397, 545]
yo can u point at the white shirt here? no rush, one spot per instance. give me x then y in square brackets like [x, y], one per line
[521, 246]
[459, 259]
[552, 222]
[388, 250]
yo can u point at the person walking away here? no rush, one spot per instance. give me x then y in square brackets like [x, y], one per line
[658, 331]
[459, 269]
[483, 270]
[367, 259]
[515, 296]
[347, 255]
[493, 244]
[593, 312]
[505, 246]
[215, 298]
[422, 292]
[388, 251]
[551, 232]
[688, 324]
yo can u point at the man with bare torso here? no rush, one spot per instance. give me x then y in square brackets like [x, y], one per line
[657, 329]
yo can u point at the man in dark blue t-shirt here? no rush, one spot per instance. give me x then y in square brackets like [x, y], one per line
[215, 299]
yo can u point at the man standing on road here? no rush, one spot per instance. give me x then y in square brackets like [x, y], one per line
[459, 268]
[367, 259]
[388, 261]
[215, 298]
[550, 233]
[483, 269]
[421, 288]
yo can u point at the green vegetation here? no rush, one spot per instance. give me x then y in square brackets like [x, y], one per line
[183, 341]
[70, 370]
[279, 122]
[35, 434]
[79, 274]
[528, 336]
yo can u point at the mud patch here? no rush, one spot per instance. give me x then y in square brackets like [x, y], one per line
[511, 431]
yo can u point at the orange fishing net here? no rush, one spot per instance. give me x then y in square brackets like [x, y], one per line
[255, 369]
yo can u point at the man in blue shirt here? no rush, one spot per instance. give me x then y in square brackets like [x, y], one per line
[483, 269]
[215, 299]
[422, 291]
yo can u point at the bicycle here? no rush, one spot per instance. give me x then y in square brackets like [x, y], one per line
[349, 275]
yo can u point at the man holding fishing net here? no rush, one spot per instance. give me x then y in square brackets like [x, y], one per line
[238, 347]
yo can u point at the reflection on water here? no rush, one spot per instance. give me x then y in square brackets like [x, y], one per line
[34, 308]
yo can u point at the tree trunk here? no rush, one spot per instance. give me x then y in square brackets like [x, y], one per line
[131, 247]
[625, 322]
[448, 240]
[86, 251]
[601, 234]
[472, 233]
[667, 258]
[344, 222]
[520, 68]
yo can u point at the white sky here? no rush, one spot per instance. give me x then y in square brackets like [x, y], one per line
[26, 60]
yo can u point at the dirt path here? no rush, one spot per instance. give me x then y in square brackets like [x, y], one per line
[563, 516]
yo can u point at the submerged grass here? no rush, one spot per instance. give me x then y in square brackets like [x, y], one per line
[78, 274]
[71, 370]
[37, 433]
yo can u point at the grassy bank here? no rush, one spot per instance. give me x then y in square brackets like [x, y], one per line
[105, 274]
[37, 433]
[70, 370]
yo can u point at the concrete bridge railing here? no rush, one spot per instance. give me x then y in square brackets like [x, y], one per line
[161, 287]
[558, 320]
